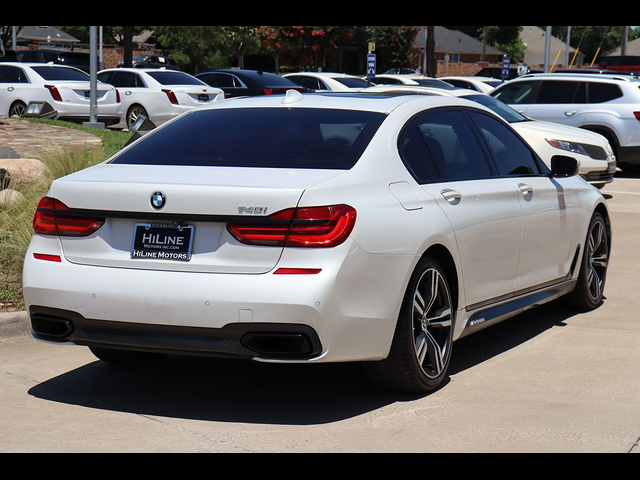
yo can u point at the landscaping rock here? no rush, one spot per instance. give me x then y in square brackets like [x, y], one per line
[8, 197]
[24, 170]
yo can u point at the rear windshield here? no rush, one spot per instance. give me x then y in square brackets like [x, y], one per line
[261, 138]
[61, 73]
[352, 82]
[174, 78]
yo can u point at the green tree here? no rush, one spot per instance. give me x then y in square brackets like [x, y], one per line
[242, 40]
[196, 48]
[398, 42]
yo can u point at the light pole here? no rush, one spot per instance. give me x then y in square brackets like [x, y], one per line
[93, 69]
[547, 51]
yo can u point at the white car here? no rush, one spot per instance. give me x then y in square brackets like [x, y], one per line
[606, 104]
[157, 94]
[311, 229]
[477, 84]
[593, 151]
[53, 91]
[327, 82]
[415, 80]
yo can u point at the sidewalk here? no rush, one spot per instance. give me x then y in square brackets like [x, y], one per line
[14, 325]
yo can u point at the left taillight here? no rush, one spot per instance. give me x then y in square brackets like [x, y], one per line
[54, 92]
[308, 227]
[118, 99]
[171, 96]
[50, 219]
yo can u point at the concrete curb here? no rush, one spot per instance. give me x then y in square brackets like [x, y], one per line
[14, 325]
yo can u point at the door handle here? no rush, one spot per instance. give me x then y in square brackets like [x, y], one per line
[571, 113]
[525, 189]
[451, 196]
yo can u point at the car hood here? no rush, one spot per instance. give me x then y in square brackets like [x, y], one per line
[556, 131]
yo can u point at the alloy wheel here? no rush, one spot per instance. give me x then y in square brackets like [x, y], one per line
[598, 259]
[432, 323]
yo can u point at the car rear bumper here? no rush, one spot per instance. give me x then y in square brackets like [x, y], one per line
[347, 312]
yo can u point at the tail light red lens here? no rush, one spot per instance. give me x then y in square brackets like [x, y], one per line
[50, 219]
[309, 227]
[637, 115]
[268, 91]
[54, 92]
[172, 97]
[118, 100]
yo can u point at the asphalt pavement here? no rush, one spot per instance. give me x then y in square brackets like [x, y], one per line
[550, 380]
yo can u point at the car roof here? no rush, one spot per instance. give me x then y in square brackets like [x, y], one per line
[372, 102]
[322, 74]
[573, 76]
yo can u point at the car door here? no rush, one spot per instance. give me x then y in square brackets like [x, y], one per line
[545, 254]
[11, 79]
[446, 158]
[560, 101]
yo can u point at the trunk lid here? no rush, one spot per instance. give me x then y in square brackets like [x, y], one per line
[204, 198]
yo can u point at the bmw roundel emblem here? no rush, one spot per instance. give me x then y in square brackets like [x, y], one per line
[158, 200]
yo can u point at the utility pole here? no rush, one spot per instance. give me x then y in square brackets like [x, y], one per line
[547, 51]
[93, 69]
[566, 63]
[625, 38]
[432, 63]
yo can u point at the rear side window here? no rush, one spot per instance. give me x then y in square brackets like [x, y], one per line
[297, 138]
[603, 92]
[561, 92]
[518, 93]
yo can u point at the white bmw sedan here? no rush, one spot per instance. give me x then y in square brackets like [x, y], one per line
[319, 228]
[156, 94]
[53, 91]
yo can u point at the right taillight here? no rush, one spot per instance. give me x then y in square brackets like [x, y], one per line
[637, 115]
[50, 219]
[308, 227]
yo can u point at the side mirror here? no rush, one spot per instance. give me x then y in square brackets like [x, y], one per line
[563, 167]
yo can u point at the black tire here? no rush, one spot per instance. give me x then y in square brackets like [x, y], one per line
[126, 358]
[18, 109]
[589, 290]
[134, 113]
[421, 349]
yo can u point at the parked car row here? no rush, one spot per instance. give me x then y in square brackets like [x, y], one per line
[603, 107]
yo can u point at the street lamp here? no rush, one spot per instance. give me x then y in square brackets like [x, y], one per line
[93, 69]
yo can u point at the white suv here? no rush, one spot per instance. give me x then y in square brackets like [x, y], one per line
[606, 104]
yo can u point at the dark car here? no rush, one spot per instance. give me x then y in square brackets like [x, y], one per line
[153, 61]
[248, 83]
[70, 58]
[496, 72]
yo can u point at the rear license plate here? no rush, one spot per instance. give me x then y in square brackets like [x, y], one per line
[162, 242]
[203, 98]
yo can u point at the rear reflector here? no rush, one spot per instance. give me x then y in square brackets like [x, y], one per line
[50, 220]
[308, 227]
[47, 258]
[297, 271]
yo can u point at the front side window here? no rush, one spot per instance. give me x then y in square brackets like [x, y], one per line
[295, 138]
[518, 93]
[452, 148]
[511, 155]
